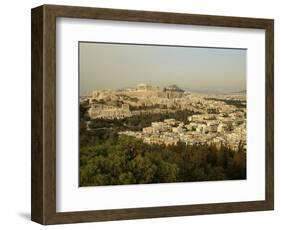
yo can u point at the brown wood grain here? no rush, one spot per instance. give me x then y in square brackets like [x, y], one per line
[37, 115]
[43, 160]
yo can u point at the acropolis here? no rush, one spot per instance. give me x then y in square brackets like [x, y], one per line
[218, 119]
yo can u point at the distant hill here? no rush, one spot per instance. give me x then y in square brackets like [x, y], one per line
[191, 90]
[239, 92]
[173, 88]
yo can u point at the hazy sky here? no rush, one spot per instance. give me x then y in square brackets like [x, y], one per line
[115, 66]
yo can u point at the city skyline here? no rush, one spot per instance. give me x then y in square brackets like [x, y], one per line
[116, 66]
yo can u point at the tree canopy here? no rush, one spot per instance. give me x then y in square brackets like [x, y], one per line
[107, 158]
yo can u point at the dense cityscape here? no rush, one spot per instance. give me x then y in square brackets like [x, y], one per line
[168, 117]
[221, 118]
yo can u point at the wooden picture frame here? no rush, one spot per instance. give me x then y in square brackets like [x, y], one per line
[43, 207]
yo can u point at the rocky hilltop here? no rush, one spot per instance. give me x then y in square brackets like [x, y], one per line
[221, 118]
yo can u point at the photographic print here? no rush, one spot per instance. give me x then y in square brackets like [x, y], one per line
[161, 114]
[144, 114]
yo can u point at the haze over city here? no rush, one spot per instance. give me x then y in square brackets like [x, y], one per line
[116, 66]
